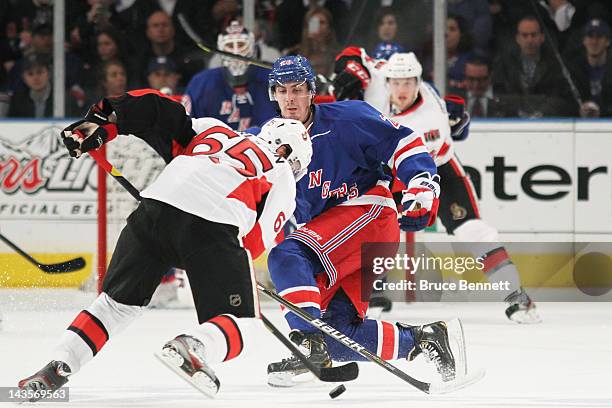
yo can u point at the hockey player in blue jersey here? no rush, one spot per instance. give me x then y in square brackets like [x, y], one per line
[342, 202]
[236, 93]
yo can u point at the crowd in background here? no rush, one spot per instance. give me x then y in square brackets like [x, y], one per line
[503, 55]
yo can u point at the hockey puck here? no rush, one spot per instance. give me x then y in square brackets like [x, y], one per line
[337, 391]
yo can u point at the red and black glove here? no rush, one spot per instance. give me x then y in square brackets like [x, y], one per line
[98, 127]
[352, 78]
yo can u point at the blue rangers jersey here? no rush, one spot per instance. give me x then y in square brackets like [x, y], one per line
[208, 94]
[351, 140]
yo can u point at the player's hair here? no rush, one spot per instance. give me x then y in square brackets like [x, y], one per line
[465, 37]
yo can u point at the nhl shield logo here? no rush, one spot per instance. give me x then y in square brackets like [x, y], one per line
[458, 211]
[235, 300]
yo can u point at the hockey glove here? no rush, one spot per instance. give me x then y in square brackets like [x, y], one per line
[420, 202]
[98, 127]
[351, 81]
[458, 118]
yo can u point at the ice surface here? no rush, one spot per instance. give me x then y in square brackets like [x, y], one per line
[565, 361]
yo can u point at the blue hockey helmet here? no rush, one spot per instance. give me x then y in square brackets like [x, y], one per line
[384, 50]
[291, 68]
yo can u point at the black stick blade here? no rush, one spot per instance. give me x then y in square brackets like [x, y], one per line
[63, 267]
[347, 372]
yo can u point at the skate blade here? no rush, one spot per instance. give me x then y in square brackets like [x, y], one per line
[288, 380]
[199, 380]
[456, 340]
[526, 317]
[457, 383]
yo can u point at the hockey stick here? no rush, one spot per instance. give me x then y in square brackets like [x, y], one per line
[198, 41]
[110, 169]
[62, 267]
[346, 372]
[429, 388]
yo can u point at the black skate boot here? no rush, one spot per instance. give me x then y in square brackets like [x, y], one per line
[185, 356]
[520, 308]
[443, 343]
[50, 378]
[285, 372]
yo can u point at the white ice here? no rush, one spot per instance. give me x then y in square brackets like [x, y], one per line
[565, 361]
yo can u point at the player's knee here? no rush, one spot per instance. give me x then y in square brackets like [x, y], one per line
[476, 230]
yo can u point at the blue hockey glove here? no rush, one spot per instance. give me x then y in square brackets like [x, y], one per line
[458, 118]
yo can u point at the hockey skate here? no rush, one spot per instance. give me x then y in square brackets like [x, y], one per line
[291, 371]
[521, 309]
[444, 344]
[185, 356]
[50, 378]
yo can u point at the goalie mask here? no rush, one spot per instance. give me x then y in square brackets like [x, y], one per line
[293, 136]
[237, 40]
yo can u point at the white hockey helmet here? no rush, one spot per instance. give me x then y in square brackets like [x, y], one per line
[237, 40]
[293, 135]
[403, 65]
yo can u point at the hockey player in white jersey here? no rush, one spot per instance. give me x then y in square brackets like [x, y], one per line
[220, 201]
[396, 89]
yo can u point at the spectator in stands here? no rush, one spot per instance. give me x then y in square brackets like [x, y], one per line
[109, 47]
[528, 77]
[99, 15]
[163, 76]
[37, 100]
[479, 98]
[161, 36]
[478, 21]
[458, 49]
[592, 70]
[112, 79]
[319, 43]
[290, 16]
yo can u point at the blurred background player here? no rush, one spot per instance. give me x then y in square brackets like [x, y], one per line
[396, 89]
[236, 93]
[342, 203]
[211, 209]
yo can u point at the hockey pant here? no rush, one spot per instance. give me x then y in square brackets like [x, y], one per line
[324, 255]
[156, 237]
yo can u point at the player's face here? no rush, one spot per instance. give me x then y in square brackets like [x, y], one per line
[403, 92]
[294, 100]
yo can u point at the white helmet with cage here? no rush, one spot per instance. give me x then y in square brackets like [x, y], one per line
[237, 40]
[294, 137]
[403, 65]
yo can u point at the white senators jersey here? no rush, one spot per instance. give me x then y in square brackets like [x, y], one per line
[427, 116]
[226, 177]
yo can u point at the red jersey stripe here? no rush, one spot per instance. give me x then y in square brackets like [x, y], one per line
[91, 330]
[388, 341]
[251, 191]
[233, 338]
